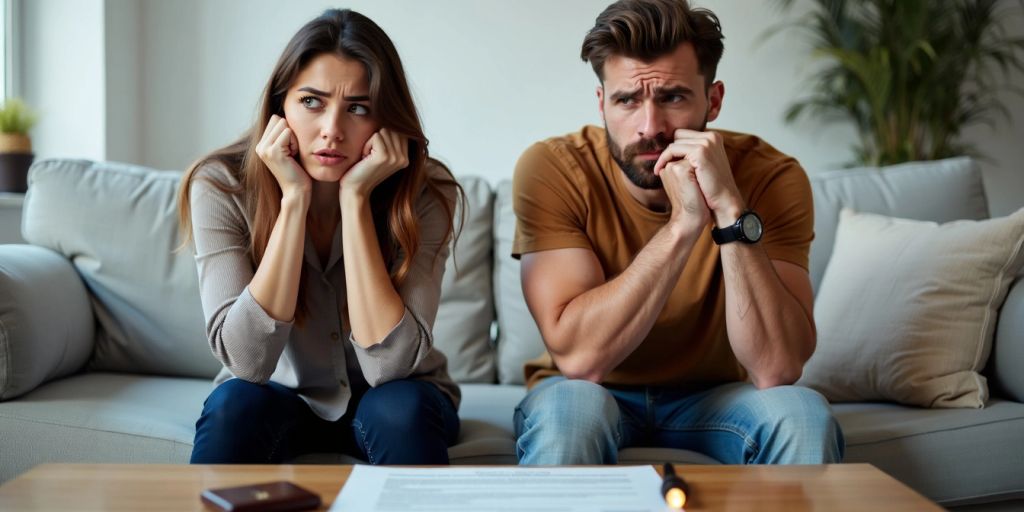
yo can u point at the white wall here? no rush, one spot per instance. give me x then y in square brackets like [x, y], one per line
[62, 76]
[1002, 147]
[490, 78]
[122, 33]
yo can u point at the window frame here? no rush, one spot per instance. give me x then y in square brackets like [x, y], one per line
[8, 50]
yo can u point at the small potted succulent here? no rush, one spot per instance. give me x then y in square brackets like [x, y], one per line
[16, 119]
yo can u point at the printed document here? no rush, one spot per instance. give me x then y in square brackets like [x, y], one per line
[502, 489]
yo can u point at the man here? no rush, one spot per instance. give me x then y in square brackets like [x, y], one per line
[657, 288]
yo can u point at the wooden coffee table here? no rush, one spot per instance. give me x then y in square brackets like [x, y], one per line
[139, 487]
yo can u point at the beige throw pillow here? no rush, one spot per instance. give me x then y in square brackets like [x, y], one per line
[906, 309]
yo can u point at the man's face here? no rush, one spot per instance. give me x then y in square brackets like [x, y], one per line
[644, 103]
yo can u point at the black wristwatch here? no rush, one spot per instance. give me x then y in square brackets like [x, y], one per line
[747, 229]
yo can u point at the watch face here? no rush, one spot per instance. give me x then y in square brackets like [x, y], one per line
[752, 228]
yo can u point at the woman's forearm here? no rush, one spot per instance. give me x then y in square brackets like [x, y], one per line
[374, 307]
[276, 283]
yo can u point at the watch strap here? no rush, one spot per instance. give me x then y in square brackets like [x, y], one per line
[725, 235]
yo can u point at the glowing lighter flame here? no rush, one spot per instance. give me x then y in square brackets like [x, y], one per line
[675, 498]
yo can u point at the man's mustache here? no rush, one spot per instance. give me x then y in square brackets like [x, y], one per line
[651, 145]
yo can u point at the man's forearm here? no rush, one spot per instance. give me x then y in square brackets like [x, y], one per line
[770, 332]
[598, 329]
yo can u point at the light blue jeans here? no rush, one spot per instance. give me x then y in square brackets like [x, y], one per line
[564, 421]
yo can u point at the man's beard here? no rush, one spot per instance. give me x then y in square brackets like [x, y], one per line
[642, 174]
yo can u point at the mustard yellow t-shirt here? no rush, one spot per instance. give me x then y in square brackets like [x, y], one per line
[568, 192]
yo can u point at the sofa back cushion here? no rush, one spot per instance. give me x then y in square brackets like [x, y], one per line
[118, 225]
[519, 339]
[938, 191]
[1008, 351]
[462, 330]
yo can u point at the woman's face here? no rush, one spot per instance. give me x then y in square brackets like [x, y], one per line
[328, 110]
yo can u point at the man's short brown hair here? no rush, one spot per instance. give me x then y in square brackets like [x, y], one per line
[648, 29]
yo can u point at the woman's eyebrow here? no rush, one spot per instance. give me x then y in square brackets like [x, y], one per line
[318, 92]
[311, 90]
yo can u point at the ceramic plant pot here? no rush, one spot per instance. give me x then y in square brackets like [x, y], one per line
[15, 159]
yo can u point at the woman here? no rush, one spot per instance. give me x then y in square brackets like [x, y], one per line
[320, 240]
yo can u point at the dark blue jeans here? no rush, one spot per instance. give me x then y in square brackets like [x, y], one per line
[400, 422]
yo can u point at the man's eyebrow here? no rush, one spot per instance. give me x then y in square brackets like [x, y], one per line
[620, 95]
[318, 92]
[681, 90]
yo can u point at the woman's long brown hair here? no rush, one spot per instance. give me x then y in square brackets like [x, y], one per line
[349, 34]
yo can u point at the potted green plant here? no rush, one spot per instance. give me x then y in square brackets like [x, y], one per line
[16, 119]
[910, 74]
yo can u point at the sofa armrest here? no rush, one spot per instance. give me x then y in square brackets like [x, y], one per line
[1008, 346]
[46, 321]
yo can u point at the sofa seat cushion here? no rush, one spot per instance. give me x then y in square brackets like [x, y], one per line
[487, 435]
[659, 456]
[101, 417]
[115, 418]
[953, 456]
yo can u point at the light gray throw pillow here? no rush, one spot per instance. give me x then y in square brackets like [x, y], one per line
[46, 324]
[907, 309]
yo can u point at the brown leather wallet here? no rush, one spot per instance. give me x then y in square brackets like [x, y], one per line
[267, 497]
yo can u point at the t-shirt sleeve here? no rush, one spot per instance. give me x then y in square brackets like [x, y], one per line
[548, 203]
[787, 208]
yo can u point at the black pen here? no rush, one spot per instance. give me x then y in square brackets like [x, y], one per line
[673, 488]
